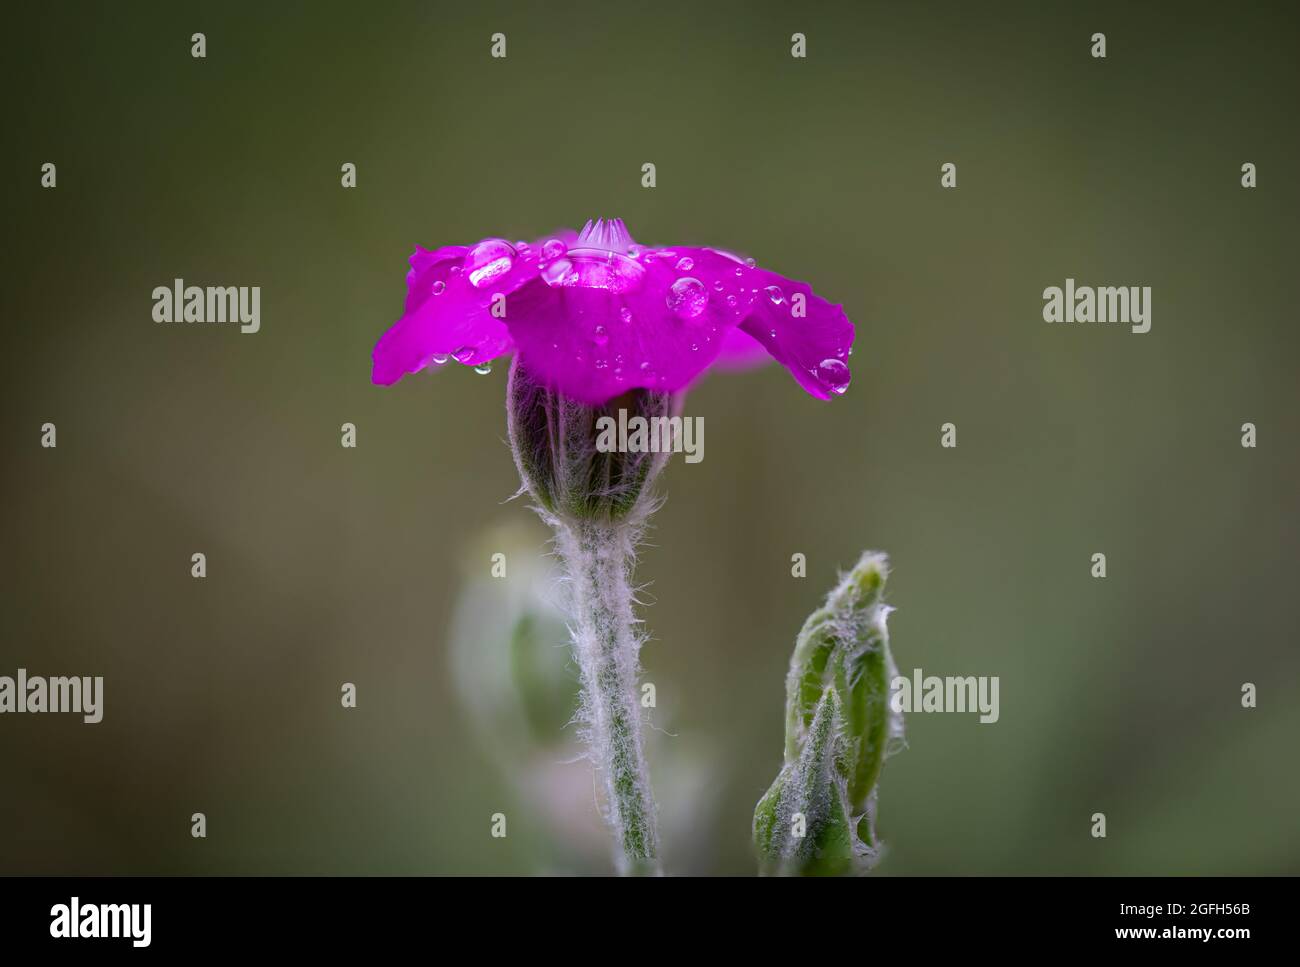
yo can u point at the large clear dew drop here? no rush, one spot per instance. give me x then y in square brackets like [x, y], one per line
[488, 261]
[835, 374]
[687, 298]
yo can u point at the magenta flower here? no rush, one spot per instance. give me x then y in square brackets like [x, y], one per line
[597, 325]
[594, 315]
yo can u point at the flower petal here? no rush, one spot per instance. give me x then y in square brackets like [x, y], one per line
[429, 267]
[599, 323]
[806, 334]
[594, 322]
[740, 350]
[449, 300]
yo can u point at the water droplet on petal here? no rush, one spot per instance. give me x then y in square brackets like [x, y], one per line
[731, 301]
[464, 354]
[772, 333]
[750, 263]
[834, 374]
[687, 298]
[695, 347]
[740, 271]
[601, 363]
[438, 287]
[439, 358]
[600, 336]
[455, 270]
[483, 368]
[717, 286]
[625, 314]
[557, 272]
[488, 261]
[685, 264]
[553, 249]
[775, 294]
[589, 268]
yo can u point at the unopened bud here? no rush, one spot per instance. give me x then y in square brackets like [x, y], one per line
[839, 728]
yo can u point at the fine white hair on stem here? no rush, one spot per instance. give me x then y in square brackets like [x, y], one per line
[598, 557]
[597, 503]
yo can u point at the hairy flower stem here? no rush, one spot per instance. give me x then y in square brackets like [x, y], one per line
[597, 501]
[598, 557]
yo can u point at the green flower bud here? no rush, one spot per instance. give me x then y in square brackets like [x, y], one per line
[818, 816]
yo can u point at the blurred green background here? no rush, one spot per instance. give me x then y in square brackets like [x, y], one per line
[329, 565]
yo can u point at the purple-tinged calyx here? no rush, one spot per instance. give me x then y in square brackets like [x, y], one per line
[553, 439]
